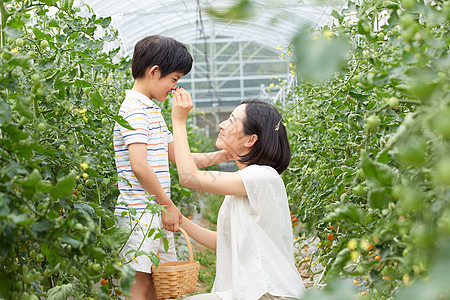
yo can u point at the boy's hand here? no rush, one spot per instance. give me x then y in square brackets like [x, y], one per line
[182, 104]
[171, 222]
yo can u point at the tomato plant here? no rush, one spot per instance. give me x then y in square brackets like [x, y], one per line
[57, 89]
[371, 147]
[60, 93]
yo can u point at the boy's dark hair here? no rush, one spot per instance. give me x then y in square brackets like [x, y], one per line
[169, 54]
[272, 146]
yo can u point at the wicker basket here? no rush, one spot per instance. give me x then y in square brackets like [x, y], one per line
[174, 279]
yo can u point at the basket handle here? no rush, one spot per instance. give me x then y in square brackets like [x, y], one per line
[188, 241]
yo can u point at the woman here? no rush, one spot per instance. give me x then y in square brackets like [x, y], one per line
[254, 240]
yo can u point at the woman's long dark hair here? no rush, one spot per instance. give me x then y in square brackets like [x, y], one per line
[272, 147]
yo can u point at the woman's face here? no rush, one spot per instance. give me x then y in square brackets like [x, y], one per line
[231, 136]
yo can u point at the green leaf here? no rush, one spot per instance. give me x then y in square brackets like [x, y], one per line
[341, 260]
[33, 179]
[41, 226]
[4, 207]
[166, 244]
[151, 232]
[45, 186]
[82, 83]
[132, 211]
[154, 259]
[96, 99]
[13, 33]
[20, 60]
[104, 22]
[60, 292]
[378, 198]
[5, 112]
[378, 175]
[23, 107]
[244, 9]
[350, 212]
[126, 279]
[99, 211]
[319, 58]
[106, 62]
[5, 285]
[122, 122]
[22, 219]
[65, 186]
[70, 240]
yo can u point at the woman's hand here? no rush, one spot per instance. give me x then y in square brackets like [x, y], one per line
[182, 104]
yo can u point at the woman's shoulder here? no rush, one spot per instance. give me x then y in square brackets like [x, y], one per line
[260, 171]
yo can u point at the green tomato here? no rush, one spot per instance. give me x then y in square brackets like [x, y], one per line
[23, 121]
[24, 209]
[407, 4]
[40, 257]
[72, 270]
[373, 122]
[90, 182]
[62, 147]
[42, 126]
[96, 267]
[358, 190]
[78, 226]
[443, 171]
[14, 266]
[20, 42]
[33, 297]
[397, 192]
[441, 122]
[104, 121]
[40, 92]
[63, 264]
[35, 77]
[80, 187]
[82, 148]
[406, 20]
[19, 286]
[33, 254]
[27, 277]
[393, 102]
[6, 55]
[44, 44]
[36, 276]
[48, 272]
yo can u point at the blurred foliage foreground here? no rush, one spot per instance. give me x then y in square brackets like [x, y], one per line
[369, 126]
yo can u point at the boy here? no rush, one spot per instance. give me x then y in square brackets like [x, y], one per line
[142, 155]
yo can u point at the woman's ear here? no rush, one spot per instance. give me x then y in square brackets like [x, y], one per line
[152, 71]
[251, 140]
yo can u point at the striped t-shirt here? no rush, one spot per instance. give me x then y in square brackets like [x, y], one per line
[150, 128]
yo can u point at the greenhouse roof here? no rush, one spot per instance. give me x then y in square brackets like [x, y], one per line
[273, 24]
[234, 60]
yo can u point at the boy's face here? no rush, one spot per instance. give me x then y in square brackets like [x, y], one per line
[162, 86]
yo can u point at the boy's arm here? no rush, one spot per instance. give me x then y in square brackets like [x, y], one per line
[147, 178]
[203, 160]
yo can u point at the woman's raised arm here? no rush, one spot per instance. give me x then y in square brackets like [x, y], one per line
[224, 183]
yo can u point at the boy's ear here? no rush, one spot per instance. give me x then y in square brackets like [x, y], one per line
[152, 71]
[251, 140]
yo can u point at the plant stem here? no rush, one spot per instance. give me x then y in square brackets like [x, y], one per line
[100, 204]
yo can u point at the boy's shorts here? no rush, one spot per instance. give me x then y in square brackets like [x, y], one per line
[142, 263]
